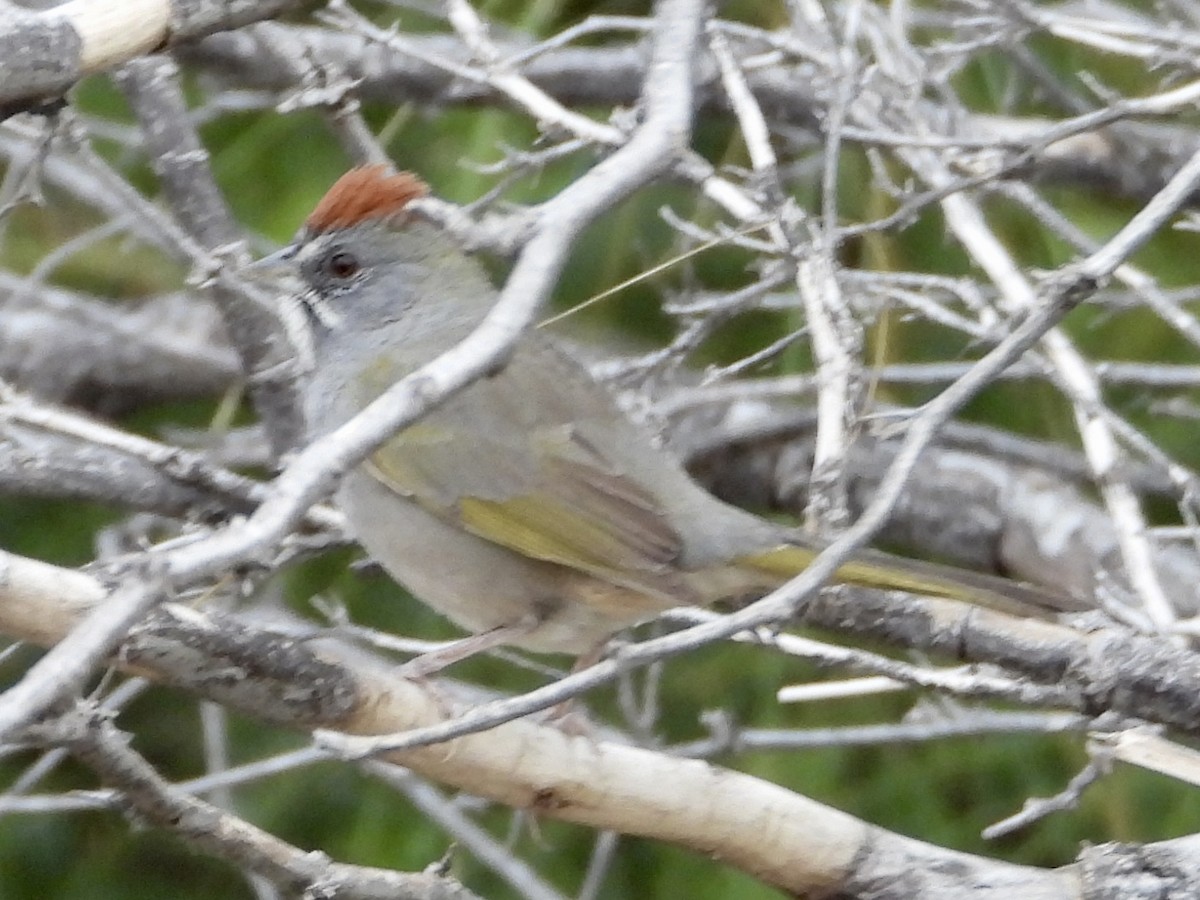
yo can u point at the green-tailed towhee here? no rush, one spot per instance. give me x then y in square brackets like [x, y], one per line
[527, 506]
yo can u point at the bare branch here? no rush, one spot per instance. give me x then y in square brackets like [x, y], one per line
[45, 53]
[95, 742]
[181, 161]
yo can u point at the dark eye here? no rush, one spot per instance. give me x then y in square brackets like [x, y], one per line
[342, 265]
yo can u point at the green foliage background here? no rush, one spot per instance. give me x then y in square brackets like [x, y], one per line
[272, 169]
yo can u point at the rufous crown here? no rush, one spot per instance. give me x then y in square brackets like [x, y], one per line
[365, 192]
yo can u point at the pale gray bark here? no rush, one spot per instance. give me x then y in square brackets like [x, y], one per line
[617, 97]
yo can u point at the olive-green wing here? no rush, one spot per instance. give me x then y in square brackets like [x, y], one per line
[519, 476]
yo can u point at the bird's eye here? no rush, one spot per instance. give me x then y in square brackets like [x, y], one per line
[342, 265]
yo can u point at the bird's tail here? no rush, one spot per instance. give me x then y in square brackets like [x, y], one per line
[872, 568]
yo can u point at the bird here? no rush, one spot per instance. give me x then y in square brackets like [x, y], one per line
[528, 508]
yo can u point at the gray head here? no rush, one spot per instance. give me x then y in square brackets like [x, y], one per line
[366, 259]
[379, 283]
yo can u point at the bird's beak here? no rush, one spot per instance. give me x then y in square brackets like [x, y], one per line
[275, 265]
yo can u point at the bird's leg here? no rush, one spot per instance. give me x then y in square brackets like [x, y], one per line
[564, 714]
[420, 667]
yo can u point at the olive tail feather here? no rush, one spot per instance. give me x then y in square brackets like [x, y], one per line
[874, 569]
